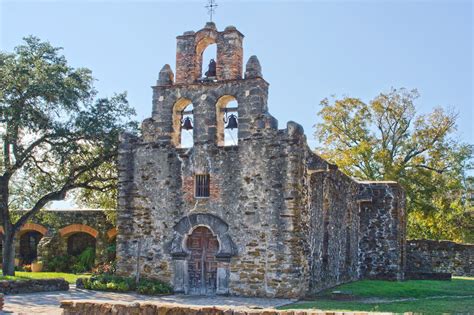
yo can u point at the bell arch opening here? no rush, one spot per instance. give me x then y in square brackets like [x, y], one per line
[183, 120]
[227, 121]
[206, 52]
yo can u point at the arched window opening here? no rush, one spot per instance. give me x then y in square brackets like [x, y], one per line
[183, 124]
[77, 243]
[227, 121]
[206, 54]
[187, 127]
[209, 63]
[29, 246]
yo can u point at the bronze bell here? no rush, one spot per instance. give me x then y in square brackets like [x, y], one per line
[231, 122]
[187, 124]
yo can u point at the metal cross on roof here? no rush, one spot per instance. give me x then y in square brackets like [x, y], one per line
[211, 8]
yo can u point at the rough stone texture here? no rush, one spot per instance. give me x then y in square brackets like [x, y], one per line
[56, 226]
[121, 308]
[253, 68]
[34, 285]
[190, 47]
[427, 256]
[288, 222]
[166, 76]
[382, 230]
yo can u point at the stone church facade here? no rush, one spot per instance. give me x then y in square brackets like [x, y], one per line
[265, 217]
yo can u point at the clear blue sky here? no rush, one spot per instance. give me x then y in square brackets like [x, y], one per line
[308, 49]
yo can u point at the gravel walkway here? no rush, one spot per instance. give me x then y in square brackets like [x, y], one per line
[48, 302]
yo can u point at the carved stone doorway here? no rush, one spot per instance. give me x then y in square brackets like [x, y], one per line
[202, 265]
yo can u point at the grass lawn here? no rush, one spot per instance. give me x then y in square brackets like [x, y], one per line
[423, 296]
[21, 275]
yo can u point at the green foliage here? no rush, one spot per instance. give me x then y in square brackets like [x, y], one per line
[60, 263]
[85, 261]
[107, 282]
[68, 263]
[55, 137]
[153, 287]
[48, 218]
[386, 140]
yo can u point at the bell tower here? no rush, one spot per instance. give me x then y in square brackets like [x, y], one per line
[223, 82]
[190, 48]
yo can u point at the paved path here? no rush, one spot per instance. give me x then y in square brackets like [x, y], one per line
[48, 302]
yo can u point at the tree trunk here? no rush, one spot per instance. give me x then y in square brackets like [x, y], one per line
[8, 246]
[8, 253]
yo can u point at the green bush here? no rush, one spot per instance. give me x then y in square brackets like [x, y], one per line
[125, 284]
[153, 287]
[85, 261]
[62, 263]
[109, 283]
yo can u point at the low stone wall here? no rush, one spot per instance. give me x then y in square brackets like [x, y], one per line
[34, 285]
[427, 256]
[78, 307]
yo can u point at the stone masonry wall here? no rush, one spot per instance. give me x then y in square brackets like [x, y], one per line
[428, 256]
[78, 307]
[260, 207]
[334, 228]
[382, 251]
[190, 48]
[33, 285]
[288, 223]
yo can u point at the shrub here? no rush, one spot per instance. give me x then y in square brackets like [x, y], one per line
[62, 263]
[109, 283]
[84, 261]
[124, 284]
[153, 287]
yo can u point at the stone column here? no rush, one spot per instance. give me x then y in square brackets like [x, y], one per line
[222, 278]
[180, 282]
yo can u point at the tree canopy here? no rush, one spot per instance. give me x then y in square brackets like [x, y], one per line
[385, 139]
[55, 136]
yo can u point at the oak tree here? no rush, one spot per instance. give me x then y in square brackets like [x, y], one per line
[55, 137]
[385, 139]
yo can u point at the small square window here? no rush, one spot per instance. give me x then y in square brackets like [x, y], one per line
[201, 186]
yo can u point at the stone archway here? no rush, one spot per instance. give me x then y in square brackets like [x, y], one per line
[29, 237]
[78, 238]
[201, 236]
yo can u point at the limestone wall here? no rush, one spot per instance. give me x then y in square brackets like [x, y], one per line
[33, 285]
[334, 229]
[77, 307]
[382, 252]
[357, 229]
[429, 256]
[255, 189]
[288, 223]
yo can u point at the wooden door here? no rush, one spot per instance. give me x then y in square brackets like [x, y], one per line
[202, 264]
